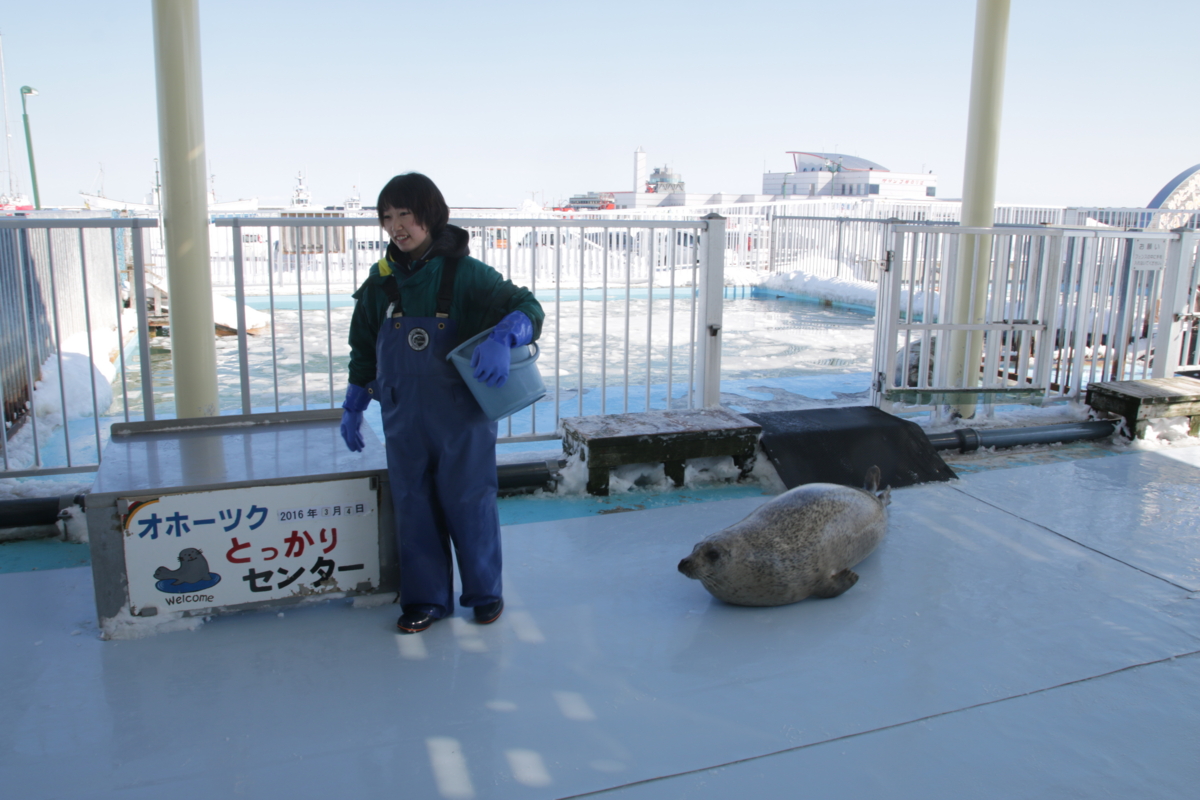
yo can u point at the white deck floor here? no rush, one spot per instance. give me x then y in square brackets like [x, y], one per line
[1030, 632]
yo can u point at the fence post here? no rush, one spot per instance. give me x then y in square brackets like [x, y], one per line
[139, 297]
[1173, 310]
[887, 313]
[838, 273]
[239, 295]
[771, 241]
[710, 290]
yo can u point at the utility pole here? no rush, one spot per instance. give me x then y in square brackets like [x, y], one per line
[27, 91]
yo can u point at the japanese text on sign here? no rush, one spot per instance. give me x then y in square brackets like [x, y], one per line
[232, 546]
[1148, 254]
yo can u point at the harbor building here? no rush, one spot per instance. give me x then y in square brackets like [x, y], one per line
[812, 175]
[840, 175]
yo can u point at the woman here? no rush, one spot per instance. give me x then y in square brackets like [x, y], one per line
[420, 301]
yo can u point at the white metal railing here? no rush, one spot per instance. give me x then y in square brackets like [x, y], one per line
[1149, 219]
[854, 247]
[624, 301]
[633, 321]
[1064, 308]
[829, 247]
[633, 313]
[66, 287]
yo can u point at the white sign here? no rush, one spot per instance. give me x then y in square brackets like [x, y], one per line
[235, 546]
[1148, 253]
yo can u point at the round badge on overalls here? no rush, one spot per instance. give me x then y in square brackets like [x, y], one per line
[418, 339]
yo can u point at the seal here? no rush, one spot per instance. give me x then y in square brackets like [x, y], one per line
[800, 544]
[193, 568]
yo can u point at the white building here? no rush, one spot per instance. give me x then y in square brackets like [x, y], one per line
[839, 175]
[814, 175]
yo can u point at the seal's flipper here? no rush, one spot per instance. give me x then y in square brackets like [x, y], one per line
[836, 584]
[872, 479]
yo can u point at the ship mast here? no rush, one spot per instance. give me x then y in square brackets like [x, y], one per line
[7, 132]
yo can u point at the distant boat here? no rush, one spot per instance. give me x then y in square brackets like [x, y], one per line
[16, 202]
[96, 202]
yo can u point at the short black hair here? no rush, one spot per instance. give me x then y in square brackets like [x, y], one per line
[419, 195]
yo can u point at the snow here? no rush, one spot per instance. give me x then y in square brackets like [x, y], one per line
[225, 314]
[847, 291]
[652, 478]
[79, 375]
[837, 290]
[126, 626]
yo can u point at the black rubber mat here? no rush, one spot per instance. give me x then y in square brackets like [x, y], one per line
[839, 445]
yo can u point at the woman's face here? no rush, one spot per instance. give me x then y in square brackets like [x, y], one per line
[403, 229]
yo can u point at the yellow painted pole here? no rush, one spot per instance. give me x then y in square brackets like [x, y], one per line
[185, 206]
[979, 190]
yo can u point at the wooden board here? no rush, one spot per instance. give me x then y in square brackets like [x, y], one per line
[1154, 398]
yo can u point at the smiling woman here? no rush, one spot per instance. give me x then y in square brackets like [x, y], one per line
[410, 206]
[409, 235]
[423, 299]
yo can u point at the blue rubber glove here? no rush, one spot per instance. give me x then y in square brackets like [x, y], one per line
[356, 402]
[492, 356]
[514, 330]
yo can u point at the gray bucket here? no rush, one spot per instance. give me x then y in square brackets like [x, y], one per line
[523, 388]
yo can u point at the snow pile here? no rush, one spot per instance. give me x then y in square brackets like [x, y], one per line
[572, 479]
[698, 472]
[225, 314]
[744, 276]
[74, 385]
[79, 374]
[1160, 434]
[126, 626]
[836, 290]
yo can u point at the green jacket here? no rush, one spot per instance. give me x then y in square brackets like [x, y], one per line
[482, 297]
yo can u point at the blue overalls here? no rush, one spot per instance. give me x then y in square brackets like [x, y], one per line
[441, 455]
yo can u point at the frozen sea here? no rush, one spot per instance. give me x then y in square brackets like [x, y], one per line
[778, 353]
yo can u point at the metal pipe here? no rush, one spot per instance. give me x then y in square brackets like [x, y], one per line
[528, 475]
[185, 206]
[970, 439]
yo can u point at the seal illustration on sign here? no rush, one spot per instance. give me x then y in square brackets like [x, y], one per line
[800, 544]
[192, 575]
[418, 338]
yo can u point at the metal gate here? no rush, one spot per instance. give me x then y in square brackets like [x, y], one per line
[1059, 308]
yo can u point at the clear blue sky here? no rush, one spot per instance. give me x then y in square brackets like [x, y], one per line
[498, 100]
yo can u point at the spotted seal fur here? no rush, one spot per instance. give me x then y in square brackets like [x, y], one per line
[800, 544]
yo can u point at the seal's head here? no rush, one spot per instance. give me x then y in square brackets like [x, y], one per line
[719, 563]
[189, 554]
[703, 560]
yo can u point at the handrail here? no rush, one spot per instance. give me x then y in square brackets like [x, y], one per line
[462, 222]
[82, 222]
